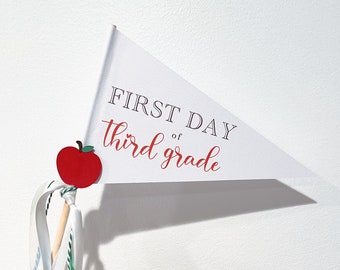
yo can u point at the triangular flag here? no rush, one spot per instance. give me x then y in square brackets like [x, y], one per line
[150, 125]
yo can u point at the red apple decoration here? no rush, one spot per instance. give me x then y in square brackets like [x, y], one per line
[79, 167]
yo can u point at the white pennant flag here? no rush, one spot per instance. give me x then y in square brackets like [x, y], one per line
[150, 125]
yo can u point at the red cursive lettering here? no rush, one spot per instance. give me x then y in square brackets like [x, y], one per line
[179, 159]
[113, 138]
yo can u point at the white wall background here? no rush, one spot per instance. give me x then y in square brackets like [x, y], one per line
[275, 64]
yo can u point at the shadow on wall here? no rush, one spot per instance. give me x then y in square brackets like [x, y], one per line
[127, 208]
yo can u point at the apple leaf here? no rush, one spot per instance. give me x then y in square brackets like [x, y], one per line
[87, 148]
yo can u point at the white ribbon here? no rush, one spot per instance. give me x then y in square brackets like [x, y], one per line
[70, 254]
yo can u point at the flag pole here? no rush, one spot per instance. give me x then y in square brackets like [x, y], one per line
[60, 231]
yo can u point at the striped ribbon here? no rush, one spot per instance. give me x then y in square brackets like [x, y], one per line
[70, 254]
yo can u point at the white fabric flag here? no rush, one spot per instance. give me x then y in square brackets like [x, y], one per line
[150, 125]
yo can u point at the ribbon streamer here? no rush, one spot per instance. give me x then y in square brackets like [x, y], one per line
[70, 254]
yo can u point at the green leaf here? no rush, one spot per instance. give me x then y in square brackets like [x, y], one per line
[87, 148]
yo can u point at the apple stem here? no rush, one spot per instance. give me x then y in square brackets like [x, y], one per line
[80, 144]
